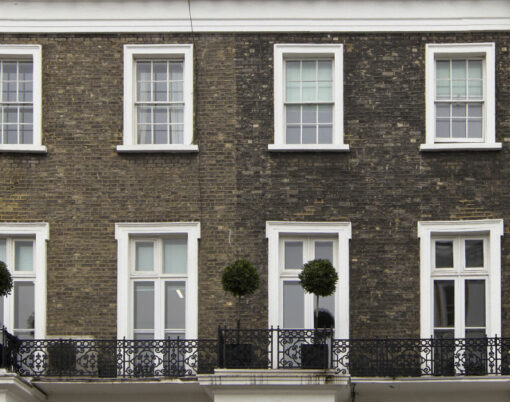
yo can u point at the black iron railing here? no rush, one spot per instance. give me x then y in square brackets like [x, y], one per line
[273, 348]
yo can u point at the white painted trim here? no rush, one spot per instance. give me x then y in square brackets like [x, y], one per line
[276, 229]
[131, 52]
[15, 389]
[41, 232]
[170, 148]
[283, 51]
[308, 148]
[494, 228]
[123, 232]
[32, 52]
[487, 50]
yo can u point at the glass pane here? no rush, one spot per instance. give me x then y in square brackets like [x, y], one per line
[293, 114]
[442, 110]
[326, 312]
[459, 89]
[9, 92]
[26, 115]
[293, 254]
[475, 69]
[459, 110]
[444, 254]
[324, 250]
[159, 68]
[160, 115]
[474, 253]
[443, 128]
[309, 114]
[475, 129]
[475, 89]
[175, 335]
[11, 115]
[444, 304]
[175, 305]
[325, 114]
[177, 134]
[161, 134]
[176, 70]
[293, 305]
[143, 92]
[475, 110]
[325, 70]
[176, 91]
[292, 71]
[309, 72]
[177, 114]
[25, 71]
[3, 250]
[144, 134]
[443, 69]
[475, 333]
[24, 255]
[175, 256]
[11, 133]
[143, 71]
[25, 92]
[293, 135]
[292, 93]
[325, 135]
[443, 89]
[475, 303]
[9, 71]
[24, 305]
[1, 312]
[144, 256]
[459, 70]
[325, 91]
[459, 128]
[144, 336]
[309, 135]
[309, 91]
[27, 134]
[144, 305]
[144, 115]
[160, 91]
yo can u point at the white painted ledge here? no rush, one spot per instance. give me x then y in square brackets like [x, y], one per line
[13, 388]
[308, 148]
[36, 149]
[473, 146]
[173, 148]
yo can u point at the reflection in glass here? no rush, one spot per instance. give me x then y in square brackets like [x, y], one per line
[144, 256]
[444, 254]
[144, 305]
[474, 253]
[475, 303]
[175, 305]
[175, 256]
[24, 306]
[444, 304]
[293, 304]
[293, 254]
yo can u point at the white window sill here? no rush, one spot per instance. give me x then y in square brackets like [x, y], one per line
[308, 147]
[36, 149]
[176, 148]
[472, 146]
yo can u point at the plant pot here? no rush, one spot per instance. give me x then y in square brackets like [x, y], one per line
[314, 356]
[61, 359]
[107, 364]
[238, 355]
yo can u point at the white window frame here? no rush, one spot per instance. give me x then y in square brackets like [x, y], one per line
[285, 51]
[39, 233]
[28, 52]
[434, 52]
[489, 229]
[131, 54]
[124, 233]
[275, 231]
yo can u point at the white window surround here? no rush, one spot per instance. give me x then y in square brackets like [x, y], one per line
[32, 52]
[123, 233]
[341, 231]
[283, 51]
[485, 50]
[40, 233]
[163, 51]
[493, 229]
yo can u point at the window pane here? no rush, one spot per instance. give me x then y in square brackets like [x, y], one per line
[325, 114]
[443, 89]
[324, 250]
[177, 134]
[475, 69]
[3, 250]
[459, 70]
[160, 133]
[442, 110]
[475, 89]
[459, 89]
[144, 336]
[325, 70]
[27, 134]
[160, 115]
[443, 128]
[475, 303]
[444, 304]
[177, 114]
[24, 305]
[292, 92]
[144, 256]
[459, 128]
[293, 135]
[26, 115]
[325, 91]
[175, 256]
[25, 92]
[293, 305]
[25, 71]
[160, 71]
[144, 134]
[325, 135]
[459, 110]
[143, 71]
[309, 71]
[443, 69]
[475, 333]
[309, 114]
[11, 133]
[176, 70]
[444, 254]
[160, 91]
[326, 312]
[292, 73]
[309, 91]
[309, 135]
[474, 129]
[144, 115]
[9, 71]
[176, 91]
[24, 255]
[1, 312]
[474, 253]
[293, 114]
[144, 305]
[475, 110]
[175, 305]
[293, 254]
[144, 92]
[11, 115]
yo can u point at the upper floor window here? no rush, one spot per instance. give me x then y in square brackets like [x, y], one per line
[308, 92]
[460, 97]
[158, 98]
[20, 98]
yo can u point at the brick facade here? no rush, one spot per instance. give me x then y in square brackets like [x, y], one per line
[384, 185]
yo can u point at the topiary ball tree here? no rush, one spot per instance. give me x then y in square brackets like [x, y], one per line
[318, 277]
[5, 280]
[240, 279]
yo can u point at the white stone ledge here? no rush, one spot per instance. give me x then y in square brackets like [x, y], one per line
[308, 148]
[473, 146]
[35, 149]
[173, 148]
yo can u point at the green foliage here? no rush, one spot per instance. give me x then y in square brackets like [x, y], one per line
[5, 280]
[319, 277]
[240, 278]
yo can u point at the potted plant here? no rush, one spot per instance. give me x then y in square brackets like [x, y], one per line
[239, 279]
[318, 277]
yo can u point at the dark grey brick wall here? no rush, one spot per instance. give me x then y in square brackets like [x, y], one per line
[384, 185]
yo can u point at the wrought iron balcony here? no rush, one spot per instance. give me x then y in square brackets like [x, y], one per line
[273, 348]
